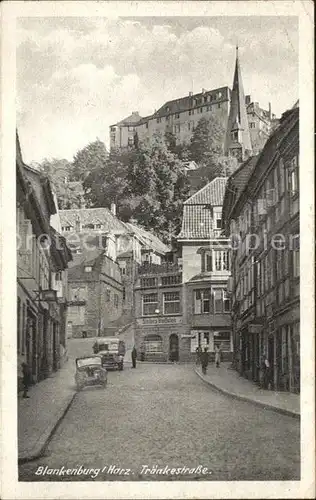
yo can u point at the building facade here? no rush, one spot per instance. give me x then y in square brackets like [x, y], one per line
[261, 210]
[95, 294]
[93, 232]
[159, 327]
[42, 260]
[181, 306]
[247, 125]
[206, 269]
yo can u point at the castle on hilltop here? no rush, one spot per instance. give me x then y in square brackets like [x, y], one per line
[247, 125]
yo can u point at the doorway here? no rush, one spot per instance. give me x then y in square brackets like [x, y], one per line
[174, 347]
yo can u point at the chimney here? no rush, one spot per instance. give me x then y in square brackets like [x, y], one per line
[248, 99]
[270, 111]
[190, 94]
[113, 208]
[135, 113]
[203, 91]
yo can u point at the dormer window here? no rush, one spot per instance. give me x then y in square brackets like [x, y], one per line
[88, 269]
[167, 109]
[66, 228]
[234, 135]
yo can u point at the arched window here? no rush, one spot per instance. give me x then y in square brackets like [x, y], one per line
[153, 343]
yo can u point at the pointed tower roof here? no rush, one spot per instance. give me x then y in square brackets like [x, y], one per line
[238, 112]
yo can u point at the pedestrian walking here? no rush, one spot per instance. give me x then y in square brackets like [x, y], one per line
[198, 351]
[204, 360]
[134, 357]
[218, 353]
[26, 379]
[265, 372]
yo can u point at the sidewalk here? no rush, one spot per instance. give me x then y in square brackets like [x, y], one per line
[229, 382]
[39, 415]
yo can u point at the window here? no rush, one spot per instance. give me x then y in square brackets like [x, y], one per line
[150, 304]
[205, 98]
[293, 176]
[148, 282]
[153, 343]
[218, 301]
[177, 128]
[66, 228]
[221, 301]
[177, 115]
[234, 135]
[171, 302]
[219, 105]
[107, 295]
[226, 301]
[222, 340]
[116, 300]
[201, 339]
[296, 263]
[217, 260]
[167, 118]
[131, 129]
[170, 280]
[158, 120]
[220, 260]
[59, 276]
[201, 301]
[191, 112]
[130, 141]
[252, 125]
[200, 110]
[88, 269]
[147, 125]
[218, 220]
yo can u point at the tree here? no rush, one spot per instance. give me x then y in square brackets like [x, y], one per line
[148, 184]
[106, 181]
[59, 171]
[91, 157]
[207, 140]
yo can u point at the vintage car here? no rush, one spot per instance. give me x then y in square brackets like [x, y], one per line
[112, 351]
[90, 371]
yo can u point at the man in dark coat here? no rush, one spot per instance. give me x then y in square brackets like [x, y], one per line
[134, 357]
[26, 379]
[204, 360]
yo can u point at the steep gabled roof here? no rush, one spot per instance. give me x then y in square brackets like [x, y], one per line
[149, 240]
[197, 221]
[212, 193]
[132, 119]
[190, 101]
[92, 216]
[236, 185]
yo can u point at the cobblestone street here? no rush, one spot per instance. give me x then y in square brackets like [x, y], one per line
[163, 415]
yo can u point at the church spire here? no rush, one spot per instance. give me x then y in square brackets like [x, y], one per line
[238, 137]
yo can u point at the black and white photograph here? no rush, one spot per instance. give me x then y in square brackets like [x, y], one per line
[160, 326]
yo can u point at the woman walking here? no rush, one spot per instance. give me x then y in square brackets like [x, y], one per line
[204, 360]
[218, 353]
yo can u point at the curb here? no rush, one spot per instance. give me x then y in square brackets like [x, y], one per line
[46, 437]
[255, 402]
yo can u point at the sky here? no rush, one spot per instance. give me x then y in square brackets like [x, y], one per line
[78, 76]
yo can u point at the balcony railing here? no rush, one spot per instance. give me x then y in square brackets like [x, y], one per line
[147, 268]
